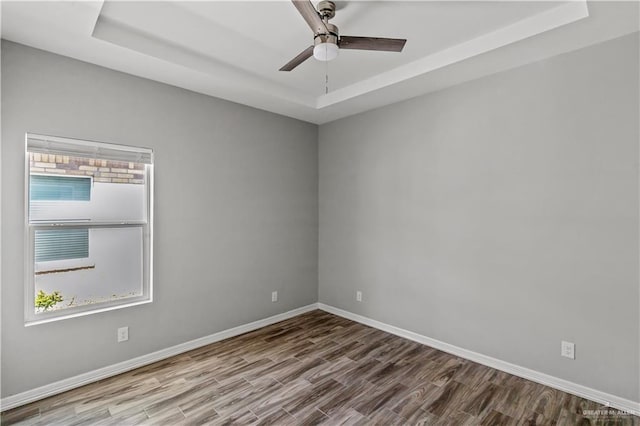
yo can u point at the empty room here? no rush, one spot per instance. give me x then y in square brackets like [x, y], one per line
[327, 212]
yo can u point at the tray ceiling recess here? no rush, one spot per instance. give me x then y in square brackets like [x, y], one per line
[234, 49]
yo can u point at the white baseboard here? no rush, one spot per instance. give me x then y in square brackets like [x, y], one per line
[121, 367]
[603, 398]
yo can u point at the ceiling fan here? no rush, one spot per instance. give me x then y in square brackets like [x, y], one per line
[327, 41]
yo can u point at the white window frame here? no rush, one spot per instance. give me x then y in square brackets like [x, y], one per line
[64, 146]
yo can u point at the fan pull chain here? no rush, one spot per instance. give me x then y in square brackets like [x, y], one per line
[326, 78]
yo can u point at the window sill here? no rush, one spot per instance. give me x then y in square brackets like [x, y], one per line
[30, 322]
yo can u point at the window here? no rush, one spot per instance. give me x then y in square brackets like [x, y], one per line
[43, 187]
[88, 226]
[61, 244]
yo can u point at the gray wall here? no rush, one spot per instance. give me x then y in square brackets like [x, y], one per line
[500, 215]
[235, 211]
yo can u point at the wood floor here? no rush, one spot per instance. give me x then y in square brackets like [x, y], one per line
[316, 368]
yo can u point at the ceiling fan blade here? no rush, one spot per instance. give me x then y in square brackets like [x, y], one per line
[303, 56]
[310, 14]
[372, 43]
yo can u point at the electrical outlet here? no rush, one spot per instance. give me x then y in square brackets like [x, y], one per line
[123, 334]
[568, 350]
[358, 296]
[274, 296]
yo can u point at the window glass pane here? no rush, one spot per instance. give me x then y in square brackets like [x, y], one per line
[60, 188]
[113, 271]
[118, 192]
[60, 244]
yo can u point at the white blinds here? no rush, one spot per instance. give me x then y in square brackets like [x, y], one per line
[88, 149]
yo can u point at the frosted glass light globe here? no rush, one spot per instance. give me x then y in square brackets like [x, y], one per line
[325, 51]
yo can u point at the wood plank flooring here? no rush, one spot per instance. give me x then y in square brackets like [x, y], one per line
[316, 368]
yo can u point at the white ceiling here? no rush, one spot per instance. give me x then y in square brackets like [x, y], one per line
[233, 49]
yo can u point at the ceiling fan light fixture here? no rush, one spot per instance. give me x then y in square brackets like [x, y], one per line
[325, 51]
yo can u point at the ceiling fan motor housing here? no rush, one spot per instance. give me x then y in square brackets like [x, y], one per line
[332, 37]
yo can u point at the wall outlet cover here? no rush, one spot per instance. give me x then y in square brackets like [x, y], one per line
[568, 350]
[123, 334]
